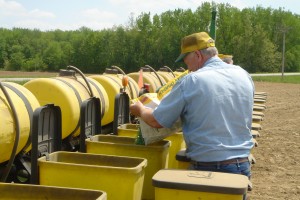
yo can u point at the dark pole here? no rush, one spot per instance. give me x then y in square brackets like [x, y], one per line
[283, 51]
[284, 30]
[212, 31]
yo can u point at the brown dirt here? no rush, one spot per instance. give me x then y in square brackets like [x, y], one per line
[22, 74]
[276, 174]
[37, 74]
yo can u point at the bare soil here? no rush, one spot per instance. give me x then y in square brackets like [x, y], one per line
[21, 74]
[276, 174]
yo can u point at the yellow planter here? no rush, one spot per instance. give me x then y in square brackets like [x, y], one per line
[183, 161]
[255, 134]
[120, 177]
[168, 76]
[259, 101]
[261, 93]
[129, 130]
[258, 108]
[68, 93]
[156, 155]
[150, 78]
[25, 103]
[256, 119]
[257, 113]
[256, 126]
[37, 192]
[177, 141]
[195, 185]
[112, 83]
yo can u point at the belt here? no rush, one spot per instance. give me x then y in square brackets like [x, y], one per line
[224, 162]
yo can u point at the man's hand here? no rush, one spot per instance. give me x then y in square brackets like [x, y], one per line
[136, 108]
[139, 110]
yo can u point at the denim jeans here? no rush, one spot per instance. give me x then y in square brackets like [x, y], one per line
[235, 168]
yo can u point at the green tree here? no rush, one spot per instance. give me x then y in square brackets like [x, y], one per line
[16, 59]
[34, 64]
[52, 56]
[3, 53]
[229, 24]
[292, 58]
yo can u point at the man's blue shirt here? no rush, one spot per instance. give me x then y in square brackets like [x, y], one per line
[215, 106]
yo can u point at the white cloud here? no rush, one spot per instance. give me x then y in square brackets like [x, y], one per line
[11, 8]
[33, 24]
[14, 14]
[96, 14]
[15, 9]
[240, 4]
[95, 25]
[97, 19]
[153, 6]
[36, 13]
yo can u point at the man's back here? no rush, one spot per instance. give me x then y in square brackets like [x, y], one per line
[218, 115]
[215, 106]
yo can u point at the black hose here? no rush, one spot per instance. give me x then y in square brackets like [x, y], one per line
[161, 83]
[119, 69]
[130, 84]
[170, 70]
[16, 143]
[84, 78]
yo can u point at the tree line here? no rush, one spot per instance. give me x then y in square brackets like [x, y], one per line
[254, 36]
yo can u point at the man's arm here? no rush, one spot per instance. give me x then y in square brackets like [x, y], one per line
[139, 110]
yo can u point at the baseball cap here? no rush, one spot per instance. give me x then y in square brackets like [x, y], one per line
[193, 42]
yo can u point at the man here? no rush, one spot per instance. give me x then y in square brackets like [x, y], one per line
[214, 103]
[226, 58]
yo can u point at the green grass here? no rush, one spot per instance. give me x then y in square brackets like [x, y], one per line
[278, 79]
[18, 82]
[45, 75]
[21, 82]
[26, 76]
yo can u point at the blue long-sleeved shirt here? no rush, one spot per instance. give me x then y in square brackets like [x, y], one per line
[215, 105]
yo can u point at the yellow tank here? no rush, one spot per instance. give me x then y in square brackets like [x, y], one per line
[150, 78]
[68, 93]
[178, 73]
[168, 76]
[25, 103]
[159, 78]
[204, 185]
[112, 84]
[168, 87]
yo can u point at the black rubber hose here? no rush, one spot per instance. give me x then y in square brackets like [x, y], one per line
[170, 70]
[16, 143]
[84, 78]
[130, 85]
[119, 69]
[161, 83]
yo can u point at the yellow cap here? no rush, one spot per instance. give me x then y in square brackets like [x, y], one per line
[221, 56]
[193, 42]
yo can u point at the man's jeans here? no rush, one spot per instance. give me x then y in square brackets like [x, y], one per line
[235, 168]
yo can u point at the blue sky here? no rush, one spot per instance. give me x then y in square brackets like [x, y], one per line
[99, 14]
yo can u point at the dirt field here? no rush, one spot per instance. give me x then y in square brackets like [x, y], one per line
[17, 74]
[276, 174]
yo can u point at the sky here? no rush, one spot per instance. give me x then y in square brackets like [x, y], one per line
[48, 15]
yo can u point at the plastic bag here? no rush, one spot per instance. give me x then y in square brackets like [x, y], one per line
[149, 133]
[152, 135]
